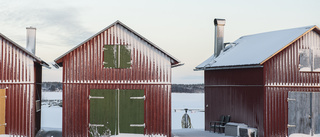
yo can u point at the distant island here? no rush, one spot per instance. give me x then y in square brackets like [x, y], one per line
[51, 87]
[175, 88]
[187, 88]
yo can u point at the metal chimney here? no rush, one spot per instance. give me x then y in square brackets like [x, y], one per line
[31, 39]
[218, 36]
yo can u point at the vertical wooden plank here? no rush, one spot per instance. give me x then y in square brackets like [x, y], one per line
[2, 111]
[1, 60]
[5, 61]
[76, 106]
[103, 111]
[298, 110]
[131, 111]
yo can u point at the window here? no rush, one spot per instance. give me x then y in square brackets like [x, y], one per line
[117, 56]
[316, 60]
[38, 105]
[309, 60]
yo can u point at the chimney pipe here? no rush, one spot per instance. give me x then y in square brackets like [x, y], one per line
[218, 36]
[31, 39]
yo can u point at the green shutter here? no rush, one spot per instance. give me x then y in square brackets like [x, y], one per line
[125, 57]
[117, 56]
[104, 111]
[131, 111]
[110, 56]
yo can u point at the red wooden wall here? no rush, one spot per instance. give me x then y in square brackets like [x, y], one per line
[235, 92]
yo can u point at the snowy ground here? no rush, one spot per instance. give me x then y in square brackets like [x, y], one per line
[303, 135]
[195, 133]
[51, 116]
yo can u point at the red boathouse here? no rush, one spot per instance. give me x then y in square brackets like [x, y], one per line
[269, 81]
[116, 81]
[20, 87]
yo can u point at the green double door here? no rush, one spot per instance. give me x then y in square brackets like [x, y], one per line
[116, 111]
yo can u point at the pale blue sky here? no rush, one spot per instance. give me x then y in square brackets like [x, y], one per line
[183, 28]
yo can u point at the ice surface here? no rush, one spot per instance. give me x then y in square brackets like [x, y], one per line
[191, 101]
[52, 95]
[254, 49]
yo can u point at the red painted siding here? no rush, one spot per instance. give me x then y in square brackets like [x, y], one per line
[235, 92]
[19, 74]
[281, 75]
[83, 70]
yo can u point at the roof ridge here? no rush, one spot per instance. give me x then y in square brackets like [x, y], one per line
[126, 27]
[307, 27]
[24, 50]
[256, 49]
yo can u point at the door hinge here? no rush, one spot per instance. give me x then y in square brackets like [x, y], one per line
[95, 97]
[138, 125]
[291, 99]
[144, 97]
[291, 125]
[4, 97]
[5, 124]
[96, 125]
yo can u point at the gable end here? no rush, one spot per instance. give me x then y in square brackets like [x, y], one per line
[315, 28]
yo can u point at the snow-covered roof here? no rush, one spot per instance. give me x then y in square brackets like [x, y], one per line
[254, 50]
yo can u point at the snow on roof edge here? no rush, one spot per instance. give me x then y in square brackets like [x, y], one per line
[314, 27]
[128, 28]
[45, 64]
[209, 64]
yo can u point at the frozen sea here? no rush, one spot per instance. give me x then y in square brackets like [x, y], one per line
[190, 101]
